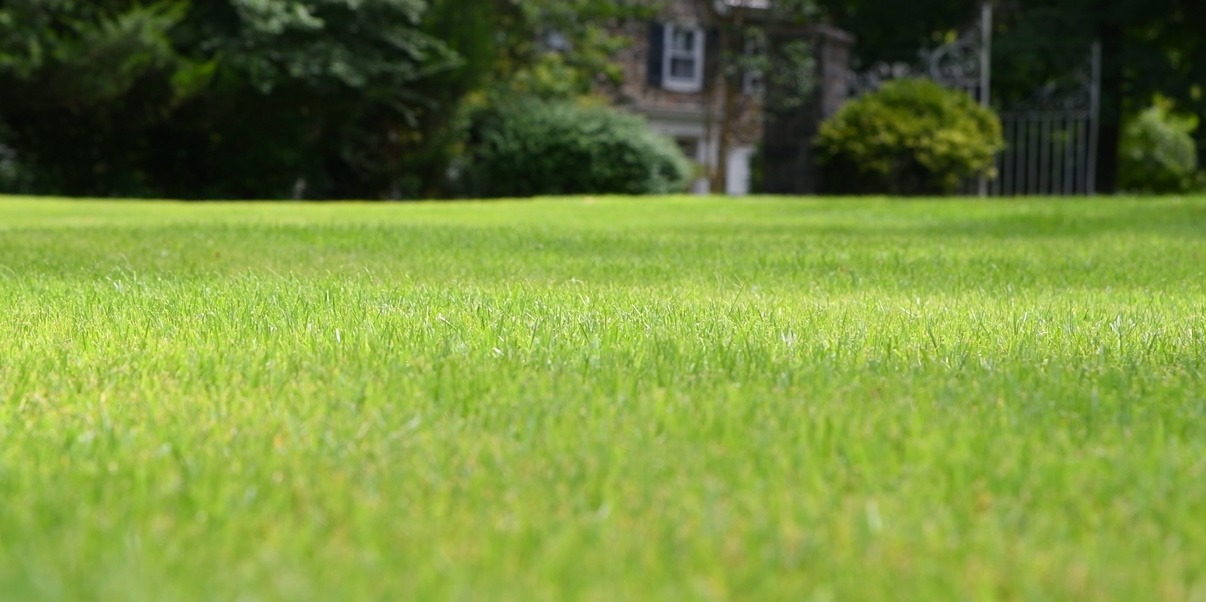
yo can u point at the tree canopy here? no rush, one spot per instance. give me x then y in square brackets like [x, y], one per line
[233, 98]
[272, 98]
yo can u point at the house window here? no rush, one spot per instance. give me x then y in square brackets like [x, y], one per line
[683, 62]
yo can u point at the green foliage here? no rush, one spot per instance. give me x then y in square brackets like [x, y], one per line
[231, 98]
[82, 55]
[910, 137]
[334, 95]
[767, 42]
[1157, 151]
[525, 63]
[273, 98]
[82, 82]
[532, 147]
[891, 30]
[334, 46]
[504, 52]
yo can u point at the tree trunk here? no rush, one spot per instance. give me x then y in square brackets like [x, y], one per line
[720, 121]
[728, 116]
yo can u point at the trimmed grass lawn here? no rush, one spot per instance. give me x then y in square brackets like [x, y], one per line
[603, 399]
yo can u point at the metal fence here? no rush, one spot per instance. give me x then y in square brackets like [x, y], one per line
[1051, 140]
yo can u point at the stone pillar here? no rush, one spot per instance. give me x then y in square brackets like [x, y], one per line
[788, 165]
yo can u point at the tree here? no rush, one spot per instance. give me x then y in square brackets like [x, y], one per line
[515, 49]
[272, 98]
[81, 81]
[506, 48]
[559, 48]
[231, 98]
[755, 36]
[893, 31]
[310, 97]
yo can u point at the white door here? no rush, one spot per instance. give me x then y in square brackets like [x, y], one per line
[737, 171]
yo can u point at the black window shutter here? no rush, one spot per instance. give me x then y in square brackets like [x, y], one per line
[657, 52]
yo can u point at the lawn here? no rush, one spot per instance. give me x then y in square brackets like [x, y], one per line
[603, 399]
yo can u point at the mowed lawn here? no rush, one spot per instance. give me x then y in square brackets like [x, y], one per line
[603, 399]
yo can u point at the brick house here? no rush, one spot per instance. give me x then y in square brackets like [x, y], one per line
[669, 74]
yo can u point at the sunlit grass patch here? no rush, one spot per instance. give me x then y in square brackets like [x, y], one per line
[603, 399]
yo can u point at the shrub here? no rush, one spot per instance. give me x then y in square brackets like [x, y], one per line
[531, 147]
[910, 137]
[1157, 153]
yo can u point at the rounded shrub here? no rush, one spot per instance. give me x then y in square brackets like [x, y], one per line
[910, 137]
[1157, 152]
[530, 147]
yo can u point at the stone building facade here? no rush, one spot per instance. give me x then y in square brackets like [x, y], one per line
[669, 75]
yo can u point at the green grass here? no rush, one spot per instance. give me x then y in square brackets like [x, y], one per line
[612, 399]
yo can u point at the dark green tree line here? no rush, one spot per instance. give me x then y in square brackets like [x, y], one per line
[235, 98]
[272, 98]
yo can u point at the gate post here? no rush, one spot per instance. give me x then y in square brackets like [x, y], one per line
[985, 73]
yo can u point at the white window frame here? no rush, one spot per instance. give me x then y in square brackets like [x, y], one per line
[694, 83]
